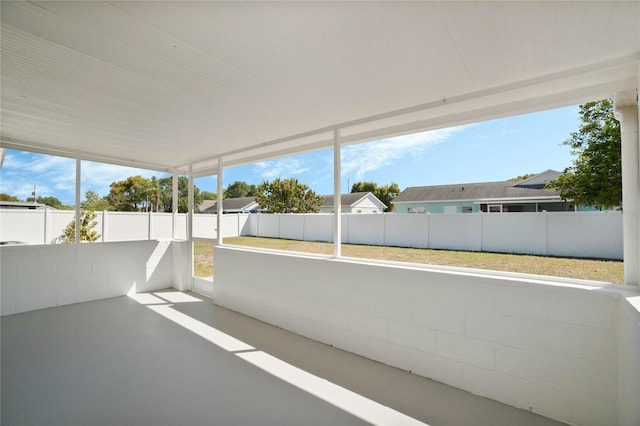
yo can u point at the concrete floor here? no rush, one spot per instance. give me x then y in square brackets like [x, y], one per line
[176, 359]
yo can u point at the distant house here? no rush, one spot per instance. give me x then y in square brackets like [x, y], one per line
[231, 205]
[356, 202]
[24, 205]
[529, 195]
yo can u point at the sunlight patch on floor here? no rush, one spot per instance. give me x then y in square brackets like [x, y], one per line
[351, 402]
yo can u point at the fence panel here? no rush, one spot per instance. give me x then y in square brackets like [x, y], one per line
[406, 230]
[205, 226]
[318, 227]
[126, 226]
[292, 226]
[574, 234]
[364, 229]
[161, 226]
[586, 234]
[515, 233]
[455, 231]
[269, 225]
[26, 226]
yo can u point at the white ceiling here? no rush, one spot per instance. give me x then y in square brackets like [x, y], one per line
[168, 84]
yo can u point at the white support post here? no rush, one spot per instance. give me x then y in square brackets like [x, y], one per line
[190, 226]
[78, 172]
[174, 206]
[219, 206]
[626, 111]
[337, 204]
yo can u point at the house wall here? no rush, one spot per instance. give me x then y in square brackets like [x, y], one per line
[44, 276]
[555, 348]
[435, 207]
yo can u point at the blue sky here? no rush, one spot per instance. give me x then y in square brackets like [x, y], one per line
[481, 152]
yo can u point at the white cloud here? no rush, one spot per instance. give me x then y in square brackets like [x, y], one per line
[371, 156]
[56, 176]
[282, 167]
[99, 176]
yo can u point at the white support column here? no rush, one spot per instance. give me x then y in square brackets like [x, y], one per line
[337, 202]
[219, 206]
[626, 111]
[174, 205]
[190, 227]
[78, 173]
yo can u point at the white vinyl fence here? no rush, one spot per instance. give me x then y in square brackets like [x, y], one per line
[572, 234]
[45, 226]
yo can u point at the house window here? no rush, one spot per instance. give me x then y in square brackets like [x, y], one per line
[467, 209]
[495, 208]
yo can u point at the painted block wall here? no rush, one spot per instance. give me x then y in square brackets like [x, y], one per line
[629, 370]
[550, 347]
[38, 277]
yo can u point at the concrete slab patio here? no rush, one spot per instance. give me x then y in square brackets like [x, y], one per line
[176, 358]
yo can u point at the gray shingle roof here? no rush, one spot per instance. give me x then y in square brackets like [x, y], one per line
[476, 191]
[345, 199]
[235, 204]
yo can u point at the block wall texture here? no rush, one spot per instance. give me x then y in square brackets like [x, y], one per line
[37, 277]
[551, 348]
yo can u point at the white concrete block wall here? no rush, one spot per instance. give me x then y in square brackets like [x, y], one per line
[556, 348]
[629, 360]
[37, 277]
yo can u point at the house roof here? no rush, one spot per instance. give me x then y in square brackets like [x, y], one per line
[505, 190]
[23, 205]
[539, 180]
[174, 85]
[347, 199]
[230, 204]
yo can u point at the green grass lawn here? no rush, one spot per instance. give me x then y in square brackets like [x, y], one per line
[597, 270]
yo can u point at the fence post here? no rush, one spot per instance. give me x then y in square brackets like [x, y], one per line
[150, 227]
[104, 226]
[47, 226]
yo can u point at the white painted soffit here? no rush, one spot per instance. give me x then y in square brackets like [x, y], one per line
[165, 85]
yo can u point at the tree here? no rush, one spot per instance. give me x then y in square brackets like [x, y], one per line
[287, 196]
[385, 193]
[522, 177]
[93, 202]
[51, 202]
[166, 187]
[240, 189]
[595, 179]
[129, 194]
[208, 195]
[87, 223]
[7, 197]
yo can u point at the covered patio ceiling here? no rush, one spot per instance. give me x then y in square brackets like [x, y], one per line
[168, 85]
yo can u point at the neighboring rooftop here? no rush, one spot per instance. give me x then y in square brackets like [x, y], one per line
[532, 187]
[229, 205]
